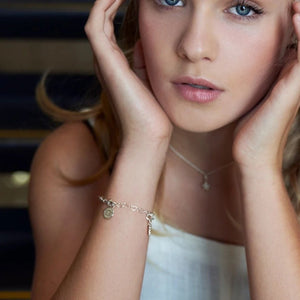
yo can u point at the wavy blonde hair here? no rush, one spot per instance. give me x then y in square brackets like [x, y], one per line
[108, 134]
[106, 128]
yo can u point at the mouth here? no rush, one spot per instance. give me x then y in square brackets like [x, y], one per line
[197, 86]
[197, 89]
[197, 83]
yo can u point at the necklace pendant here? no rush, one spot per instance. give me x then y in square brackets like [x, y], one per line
[206, 185]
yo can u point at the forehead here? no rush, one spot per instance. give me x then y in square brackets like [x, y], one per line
[276, 3]
[272, 3]
[273, 6]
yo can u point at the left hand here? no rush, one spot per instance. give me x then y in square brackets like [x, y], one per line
[261, 135]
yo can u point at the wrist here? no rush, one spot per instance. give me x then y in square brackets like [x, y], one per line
[136, 173]
[146, 159]
[144, 148]
[261, 171]
[257, 178]
[153, 140]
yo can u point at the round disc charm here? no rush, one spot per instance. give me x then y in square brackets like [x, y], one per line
[108, 212]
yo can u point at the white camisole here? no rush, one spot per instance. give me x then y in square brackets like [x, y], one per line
[183, 266]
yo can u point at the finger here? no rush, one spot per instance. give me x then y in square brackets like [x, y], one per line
[110, 15]
[139, 66]
[288, 86]
[96, 16]
[101, 19]
[296, 22]
[138, 56]
[111, 11]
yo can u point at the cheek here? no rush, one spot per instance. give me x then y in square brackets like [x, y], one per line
[158, 39]
[254, 64]
[150, 38]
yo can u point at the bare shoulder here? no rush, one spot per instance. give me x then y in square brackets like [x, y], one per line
[61, 212]
[70, 149]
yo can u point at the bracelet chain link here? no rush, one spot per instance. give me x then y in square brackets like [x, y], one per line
[109, 211]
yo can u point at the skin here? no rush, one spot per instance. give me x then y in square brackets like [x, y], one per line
[202, 42]
[74, 257]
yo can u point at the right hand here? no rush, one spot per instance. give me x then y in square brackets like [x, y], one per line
[141, 116]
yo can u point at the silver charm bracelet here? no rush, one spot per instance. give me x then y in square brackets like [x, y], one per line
[108, 212]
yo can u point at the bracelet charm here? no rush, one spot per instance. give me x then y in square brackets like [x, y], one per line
[108, 212]
[149, 218]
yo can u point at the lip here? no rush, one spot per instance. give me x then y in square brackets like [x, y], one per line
[190, 93]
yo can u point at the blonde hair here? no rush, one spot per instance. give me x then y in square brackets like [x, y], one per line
[108, 133]
[106, 129]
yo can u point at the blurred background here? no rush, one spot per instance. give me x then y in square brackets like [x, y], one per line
[35, 37]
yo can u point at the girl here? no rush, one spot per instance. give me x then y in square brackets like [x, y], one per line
[196, 130]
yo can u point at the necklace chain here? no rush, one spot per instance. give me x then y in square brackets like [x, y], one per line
[205, 184]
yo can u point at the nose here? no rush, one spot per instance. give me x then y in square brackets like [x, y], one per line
[198, 41]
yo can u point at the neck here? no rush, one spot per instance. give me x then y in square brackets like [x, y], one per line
[207, 150]
[181, 198]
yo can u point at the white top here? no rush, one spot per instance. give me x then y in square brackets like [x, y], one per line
[183, 266]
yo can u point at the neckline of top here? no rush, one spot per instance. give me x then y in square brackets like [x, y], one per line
[167, 230]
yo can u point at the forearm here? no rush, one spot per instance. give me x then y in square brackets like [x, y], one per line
[272, 236]
[110, 264]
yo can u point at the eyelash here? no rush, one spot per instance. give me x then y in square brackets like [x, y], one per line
[253, 7]
[166, 6]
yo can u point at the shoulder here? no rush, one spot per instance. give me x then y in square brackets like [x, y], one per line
[61, 213]
[70, 150]
[69, 153]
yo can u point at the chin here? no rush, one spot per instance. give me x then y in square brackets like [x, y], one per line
[197, 127]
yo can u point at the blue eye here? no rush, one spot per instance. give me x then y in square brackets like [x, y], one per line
[243, 10]
[171, 2]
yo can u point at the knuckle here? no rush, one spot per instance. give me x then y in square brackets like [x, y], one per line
[90, 29]
[111, 18]
[87, 28]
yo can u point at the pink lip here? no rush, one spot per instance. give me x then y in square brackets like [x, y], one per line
[190, 93]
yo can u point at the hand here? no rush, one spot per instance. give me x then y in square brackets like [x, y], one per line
[139, 112]
[261, 136]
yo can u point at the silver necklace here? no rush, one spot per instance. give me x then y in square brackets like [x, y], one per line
[205, 184]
